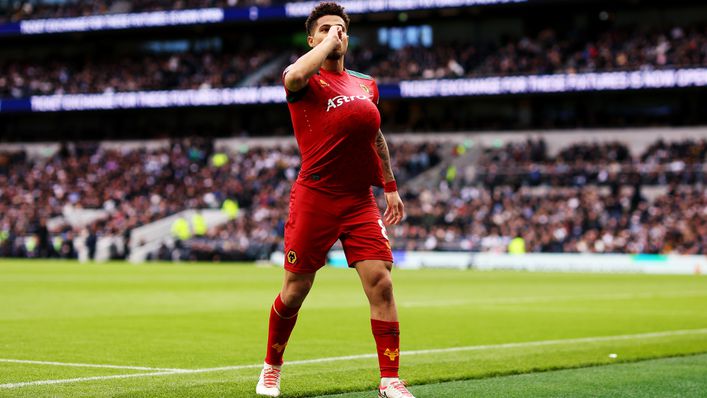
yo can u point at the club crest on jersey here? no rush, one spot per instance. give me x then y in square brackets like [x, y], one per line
[323, 83]
[365, 88]
[291, 257]
[342, 99]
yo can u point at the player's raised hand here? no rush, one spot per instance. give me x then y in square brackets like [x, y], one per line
[336, 34]
[395, 211]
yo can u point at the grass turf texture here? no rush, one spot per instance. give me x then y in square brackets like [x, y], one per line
[209, 316]
[682, 377]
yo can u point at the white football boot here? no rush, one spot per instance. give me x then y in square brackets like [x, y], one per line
[269, 382]
[394, 389]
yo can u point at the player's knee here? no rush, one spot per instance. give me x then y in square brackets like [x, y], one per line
[294, 292]
[382, 287]
[303, 287]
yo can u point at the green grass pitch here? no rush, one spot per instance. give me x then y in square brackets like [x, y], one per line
[199, 331]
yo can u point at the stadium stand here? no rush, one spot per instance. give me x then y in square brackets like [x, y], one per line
[546, 53]
[28, 9]
[556, 220]
[189, 70]
[137, 187]
[657, 52]
[559, 193]
[599, 164]
[587, 198]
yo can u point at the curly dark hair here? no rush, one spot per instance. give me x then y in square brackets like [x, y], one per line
[327, 8]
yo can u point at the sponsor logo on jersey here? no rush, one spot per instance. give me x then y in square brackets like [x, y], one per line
[392, 354]
[342, 99]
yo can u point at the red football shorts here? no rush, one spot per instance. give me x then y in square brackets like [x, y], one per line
[318, 219]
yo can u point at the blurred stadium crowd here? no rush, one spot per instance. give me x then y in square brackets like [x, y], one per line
[36, 9]
[591, 196]
[137, 187]
[587, 198]
[131, 73]
[545, 53]
[608, 164]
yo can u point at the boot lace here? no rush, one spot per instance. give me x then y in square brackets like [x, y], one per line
[271, 376]
[400, 386]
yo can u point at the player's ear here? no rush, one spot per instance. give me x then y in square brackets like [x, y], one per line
[310, 40]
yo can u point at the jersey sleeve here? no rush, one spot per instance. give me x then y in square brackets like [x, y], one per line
[376, 95]
[293, 96]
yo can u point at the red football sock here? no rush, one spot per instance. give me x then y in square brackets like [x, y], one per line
[282, 321]
[387, 336]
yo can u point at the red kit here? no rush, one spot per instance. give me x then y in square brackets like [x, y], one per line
[336, 122]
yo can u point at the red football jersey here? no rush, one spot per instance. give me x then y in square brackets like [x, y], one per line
[336, 120]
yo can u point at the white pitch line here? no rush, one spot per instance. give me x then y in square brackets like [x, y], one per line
[365, 356]
[88, 365]
[62, 381]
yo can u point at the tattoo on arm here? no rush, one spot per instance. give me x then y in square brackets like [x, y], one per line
[383, 153]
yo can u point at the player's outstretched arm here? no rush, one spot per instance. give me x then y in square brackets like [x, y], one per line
[395, 211]
[297, 75]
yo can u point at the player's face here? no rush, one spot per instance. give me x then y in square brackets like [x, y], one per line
[320, 31]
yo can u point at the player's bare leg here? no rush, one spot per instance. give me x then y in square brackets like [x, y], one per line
[283, 316]
[378, 285]
[295, 288]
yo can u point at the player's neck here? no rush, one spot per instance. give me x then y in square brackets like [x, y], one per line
[331, 65]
